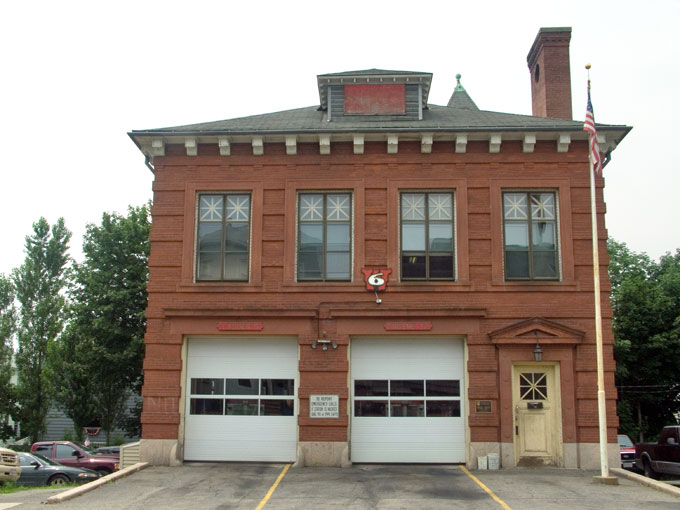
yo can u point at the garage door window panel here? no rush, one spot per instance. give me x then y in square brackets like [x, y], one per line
[435, 398]
[443, 408]
[241, 407]
[207, 406]
[370, 408]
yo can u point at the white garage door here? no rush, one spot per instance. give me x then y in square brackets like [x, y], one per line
[240, 399]
[407, 400]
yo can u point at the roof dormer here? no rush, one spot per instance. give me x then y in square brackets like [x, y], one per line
[374, 94]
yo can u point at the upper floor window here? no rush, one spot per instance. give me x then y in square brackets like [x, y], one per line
[530, 234]
[223, 237]
[427, 240]
[324, 236]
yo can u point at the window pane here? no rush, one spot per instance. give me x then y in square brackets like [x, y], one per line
[515, 206]
[238, 207]
[545, 264]
[309, 266]
[241, 406]
[311, 237]
[337, 266]
[210, 237]
[440, 206]
[64, 451]
[210, 208]
[543, 235]
[237, 237]
[242, 387]
[277, 387]
[338, 207]
[366, 388]
[413, 236]
[337, 237]
[206, 406]
[406, 388]
[311, 207]
[441, 266]
[413, 267]
[516, 236]
[441, 237]
[207, 386]
[517, 264]
[368, 408]
[276, 407]
[443, 408]
[413, 206]
[543, 206]
[407, 408]
[442, 388]
[209, 266]
[236, 266]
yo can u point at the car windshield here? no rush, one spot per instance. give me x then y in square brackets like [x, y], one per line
[45, 460]
[625, 441]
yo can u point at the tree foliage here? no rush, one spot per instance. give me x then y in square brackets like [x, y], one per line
[7, 325]
[98, 361]
[39, 283]
[646, 304]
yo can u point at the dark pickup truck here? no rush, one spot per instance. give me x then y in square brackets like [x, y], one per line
[76, 455]
[662, 456]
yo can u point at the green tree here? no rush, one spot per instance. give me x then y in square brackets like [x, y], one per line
[7, 325]
[646, 305]
[98, 361]
[39, 285]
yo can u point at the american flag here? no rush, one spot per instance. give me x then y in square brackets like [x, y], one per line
[589, 126]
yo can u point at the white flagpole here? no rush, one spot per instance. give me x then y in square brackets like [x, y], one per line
[601, 401]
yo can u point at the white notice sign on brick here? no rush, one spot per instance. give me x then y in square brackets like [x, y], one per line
[324, 406]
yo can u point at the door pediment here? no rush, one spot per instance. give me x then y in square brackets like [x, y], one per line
[537, 330]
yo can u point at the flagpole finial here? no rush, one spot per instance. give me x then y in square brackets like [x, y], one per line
[588, 67]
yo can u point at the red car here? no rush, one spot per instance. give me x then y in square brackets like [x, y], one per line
[627, 451]
[76, 455]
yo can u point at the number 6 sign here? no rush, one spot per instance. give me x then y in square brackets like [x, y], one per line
[376, 279]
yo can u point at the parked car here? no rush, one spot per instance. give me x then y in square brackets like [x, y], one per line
[76, 455]
[662, 456]
[627, 448]
[39, 470]
[108, 450]
[9, 466]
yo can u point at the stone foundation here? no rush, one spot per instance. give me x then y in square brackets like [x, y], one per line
[325, 454]
[160, 452]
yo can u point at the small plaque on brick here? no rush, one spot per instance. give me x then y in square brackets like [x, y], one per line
[324, 406]
[483, 406]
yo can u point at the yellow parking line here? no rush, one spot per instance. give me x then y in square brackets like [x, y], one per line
[488, 491]
[273, 488]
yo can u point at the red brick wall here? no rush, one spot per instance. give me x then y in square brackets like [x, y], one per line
[479, 301]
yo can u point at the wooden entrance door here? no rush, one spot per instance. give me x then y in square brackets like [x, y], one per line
[536, 405]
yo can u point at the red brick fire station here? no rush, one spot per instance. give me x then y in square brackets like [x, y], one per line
[379, 279]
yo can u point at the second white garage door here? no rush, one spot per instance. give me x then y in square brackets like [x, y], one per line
[407, 400]
[240, 399]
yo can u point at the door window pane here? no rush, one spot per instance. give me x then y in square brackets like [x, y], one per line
[277, 387]
[442, 388]
[443, 408]
[65, 451]
[206, 406]
[406, 388]
[207, 386]
[276, 407]
[241, 407]
[242, 387]
[370, 388]
[370, 408]
[402, 408]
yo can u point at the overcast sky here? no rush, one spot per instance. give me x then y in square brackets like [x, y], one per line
[77, 76]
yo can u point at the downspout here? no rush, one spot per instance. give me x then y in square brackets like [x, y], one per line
[147, 162]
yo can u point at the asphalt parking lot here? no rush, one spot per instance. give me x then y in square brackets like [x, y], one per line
[208, 486]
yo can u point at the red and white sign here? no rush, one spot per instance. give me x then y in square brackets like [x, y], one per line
[376, 279]
[240, 326]
[408, 326]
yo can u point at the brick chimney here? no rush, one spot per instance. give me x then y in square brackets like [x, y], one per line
[550, 76]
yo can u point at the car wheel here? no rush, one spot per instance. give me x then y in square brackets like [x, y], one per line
[103, 471]
[58, 480]
[649, 472]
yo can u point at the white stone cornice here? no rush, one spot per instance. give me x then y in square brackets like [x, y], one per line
[392, 144]
[191, 145]
[225, 146]
[358, 144]
[258, 145]
[426, 143]
[324, 144]
[291, 145]
[157, 147]
[461, 144]
[529, 142]
[563, 141]
[495, 143]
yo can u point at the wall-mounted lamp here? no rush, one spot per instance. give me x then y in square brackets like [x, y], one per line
[538, 352]
[324, 344]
